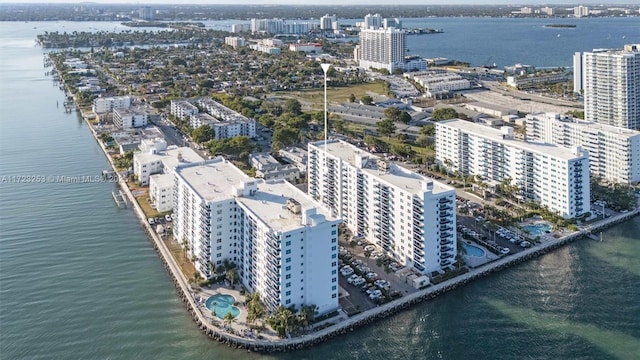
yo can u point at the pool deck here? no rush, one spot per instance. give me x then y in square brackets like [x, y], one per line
[475, 261]
[239, 325]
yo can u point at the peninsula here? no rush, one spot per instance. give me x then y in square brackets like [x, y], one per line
[288, 213]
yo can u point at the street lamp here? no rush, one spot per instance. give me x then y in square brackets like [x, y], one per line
[325, 68]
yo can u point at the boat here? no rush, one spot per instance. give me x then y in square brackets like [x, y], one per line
[560, 26]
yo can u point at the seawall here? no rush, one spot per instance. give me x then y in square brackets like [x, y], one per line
[359, 320]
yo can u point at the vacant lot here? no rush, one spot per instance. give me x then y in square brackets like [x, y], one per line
[314, 99]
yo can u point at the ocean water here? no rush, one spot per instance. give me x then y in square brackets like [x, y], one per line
[79, 280]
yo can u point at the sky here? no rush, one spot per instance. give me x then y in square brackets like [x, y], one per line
[330, 2]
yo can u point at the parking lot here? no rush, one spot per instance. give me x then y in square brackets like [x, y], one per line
[367, 283]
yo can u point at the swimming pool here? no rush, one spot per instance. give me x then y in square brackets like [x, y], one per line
[473, 250]
[537, 229]
[222, 304]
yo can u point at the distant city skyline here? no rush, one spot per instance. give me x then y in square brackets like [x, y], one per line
[314, 2]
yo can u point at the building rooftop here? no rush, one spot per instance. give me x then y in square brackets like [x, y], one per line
[498, 136]
[270, 202]
[162, 180]
[172, 157]
[588, 124]
[214, 179]
[393, 175]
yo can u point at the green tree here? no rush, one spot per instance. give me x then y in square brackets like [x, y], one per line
[229, 318]
[284, 136]
[292, 106]
[366, 100]
[203, 134]
[352, 98]
[444, 114]
[386, 127]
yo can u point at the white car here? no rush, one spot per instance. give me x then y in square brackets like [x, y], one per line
[167, 217]
[505, 251]
[151, 221]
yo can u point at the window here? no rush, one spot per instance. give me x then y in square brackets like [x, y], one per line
[333, 248]
[334, 240]
[288, 268]
[334, 279]
[288, 251]
[333, 256]
[288, 260]
[288, 302]
[288, 276]
[334, 232]
[219, 247]
[288, 243]
[288, 285]
[334, 288]
[333, 296]
[219, 255]
[334, 271]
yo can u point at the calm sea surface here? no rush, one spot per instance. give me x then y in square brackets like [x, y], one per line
[79, 280]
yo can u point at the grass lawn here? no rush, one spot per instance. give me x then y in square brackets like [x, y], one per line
[314, 98]
[144, 203]
[178, 255]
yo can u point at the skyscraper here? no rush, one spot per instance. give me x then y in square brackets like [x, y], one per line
[382, 48]
[329, 22]
[611, 81]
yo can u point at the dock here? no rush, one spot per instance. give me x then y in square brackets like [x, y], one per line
[120, 199]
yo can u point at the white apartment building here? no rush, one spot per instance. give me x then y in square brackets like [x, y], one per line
[611, 81]
[284, 244]
[581, 11]
[231, 122]
[577, 73]
[268, 168]
[614, 152]
[183, 109]
[103, 105]
[372, 21]
[239, 28]
[146, 164]
[329, 22]
[235, 41]
[550, 175]
[130, 118]
[410, 217]
[382, 48]
[162, 191]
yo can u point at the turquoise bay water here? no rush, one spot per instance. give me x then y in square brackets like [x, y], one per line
[79, 280]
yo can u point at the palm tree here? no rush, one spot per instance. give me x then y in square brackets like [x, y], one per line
[232, 276]
[307, 315]
[228, 318]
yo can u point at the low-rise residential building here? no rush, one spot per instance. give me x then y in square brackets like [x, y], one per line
[107, 104]
[130, 118]
[524, 82]
[614, 152]
[284, 244]
[439, 81]
[410, 217]
[183, 109]
[308, 47]
[295, 156]
[268, 168]
[231, 123]
[146, 164]
[550, 175]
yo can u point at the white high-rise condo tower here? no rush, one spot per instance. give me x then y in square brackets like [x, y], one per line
[611, 81]
[410, 217]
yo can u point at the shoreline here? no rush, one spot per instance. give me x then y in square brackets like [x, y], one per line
[359, 320]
